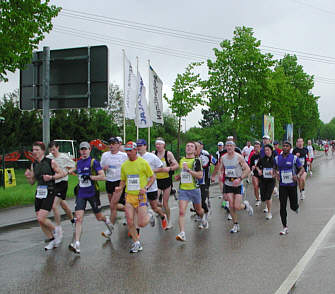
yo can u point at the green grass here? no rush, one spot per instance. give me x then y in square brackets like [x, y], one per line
[24, 193]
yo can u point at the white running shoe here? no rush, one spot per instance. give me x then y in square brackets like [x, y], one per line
[204, 223]
[268, 215]
[248, 209]
[152, 219]
[310, 173]
[229, 217]
[235, 228]
[302, 195]
[107, 234]
[284, 231]
[265, 210]
[275, 192]
[181, 236]
[258, 203]
[136, 247]
[50, 246]
[169, 225]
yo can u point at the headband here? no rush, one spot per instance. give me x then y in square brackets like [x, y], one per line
[160, 141]
[230, 143]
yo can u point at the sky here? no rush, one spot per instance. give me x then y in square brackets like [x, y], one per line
[301, 27]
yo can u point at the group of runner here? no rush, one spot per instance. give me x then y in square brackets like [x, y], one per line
[135, 178]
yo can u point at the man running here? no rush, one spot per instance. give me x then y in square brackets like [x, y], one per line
[44, 171]
[191, 171]
[247, 150]
[255, 157]
[111, 162]
[235, 169]
[302, 153]
[89, 172]
[137, 176]
[287, 166]
[218, 154]
[266, 141]
[65, 163]
[164, 179]
[311, 151]
[156, 166]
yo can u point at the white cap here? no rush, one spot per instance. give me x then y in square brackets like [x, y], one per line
[266, 137]
[220, 143]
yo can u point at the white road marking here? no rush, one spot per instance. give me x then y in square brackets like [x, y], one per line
[292, 278]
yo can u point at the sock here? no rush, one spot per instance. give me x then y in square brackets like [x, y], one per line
[138, 230]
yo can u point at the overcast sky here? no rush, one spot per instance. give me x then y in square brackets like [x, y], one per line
[291, 25]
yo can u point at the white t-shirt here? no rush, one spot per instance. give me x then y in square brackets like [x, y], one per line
[64, 161]
[113, 162]
[247, 150]
[310, 151]
[154, 163]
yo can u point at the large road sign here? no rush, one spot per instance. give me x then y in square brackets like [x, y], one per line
[78, 79]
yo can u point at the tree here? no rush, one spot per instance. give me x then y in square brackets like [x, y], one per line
[237, 79]
[22, 27]
[186, 95]
[115, 103]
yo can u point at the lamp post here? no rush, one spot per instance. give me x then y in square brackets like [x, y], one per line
[2, 122]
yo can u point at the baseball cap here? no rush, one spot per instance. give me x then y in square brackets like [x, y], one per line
[130, 146]
[230, 138]
[84, 145]
[220, 144]
[141, 142]
[114, 140]
[275, 142]
[287, 142]
[266, 137]
[120, 139]
[257, 143]
[201, 143]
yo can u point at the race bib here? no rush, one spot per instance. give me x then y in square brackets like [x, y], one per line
[302, 160]
[112, 171]
[186, 178]
[84, 181]
[287, 177]
[267, 173]
[230, 173]
[133, 182]
[42, 192]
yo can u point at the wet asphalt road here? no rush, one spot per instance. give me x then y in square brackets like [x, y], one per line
[256, 260]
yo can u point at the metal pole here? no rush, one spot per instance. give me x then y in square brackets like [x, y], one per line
[124, 96]
[46, 95]
[137, 94]
[89, 77]
[3, 164]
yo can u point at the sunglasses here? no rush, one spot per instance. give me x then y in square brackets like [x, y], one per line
[286, 145]
[84, 148]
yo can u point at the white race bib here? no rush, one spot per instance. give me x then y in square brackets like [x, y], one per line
[84, 183]
[133, 182]
[287, 177]
[230, 173]
[186, 178]
[111, 171]
[267, 173]
[42, 192]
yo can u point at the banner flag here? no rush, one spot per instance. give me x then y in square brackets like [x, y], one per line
[155, 97]
[142, 119]
[130, 90]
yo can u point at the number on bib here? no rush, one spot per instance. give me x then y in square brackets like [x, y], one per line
[287, 177]
[133, 183]
[42, 192]
[186, 178]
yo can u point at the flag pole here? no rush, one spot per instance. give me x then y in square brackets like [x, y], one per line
[149, 107]
[137, 130]
[124, 96]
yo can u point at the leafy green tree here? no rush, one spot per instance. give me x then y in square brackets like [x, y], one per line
[237, 79]
[115, 103]
[186, 95]
[22, 27]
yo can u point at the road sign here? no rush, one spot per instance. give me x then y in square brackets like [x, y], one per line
[78, 79]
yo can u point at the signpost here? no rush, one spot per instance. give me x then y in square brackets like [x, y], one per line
[2, 174]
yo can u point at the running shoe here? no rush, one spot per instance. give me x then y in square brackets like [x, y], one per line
[77, 247]
[258, 203]
[152, 219]
[220, 196]
[310, 173]
[265, 210]
[302, 195]
[197, 218]
[229, 217]
[204, 224]
[248, 207]
[275, 192]
[136, 247]
[268, 215]
[234, 229]
[181, 236]
[50, 246]
[169, 225]
[284, 231]
[107, 234]
[164, 223]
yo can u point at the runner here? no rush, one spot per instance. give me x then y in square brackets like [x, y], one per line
[218, 154]
[191, 171]
[311, 151]
[333, 147]
[326, 147]
[137, 177]
[246, 153]
[111, 162]
[44, 171]
[276, 150]
[235, 169]
[65, 163]
[265, 168]
[164, 179]
[302, 153]
[89, 172]
[255, 176]
[287, 166]
[266, 141]
[156, 166]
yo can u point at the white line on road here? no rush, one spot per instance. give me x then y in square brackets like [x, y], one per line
[292, 278]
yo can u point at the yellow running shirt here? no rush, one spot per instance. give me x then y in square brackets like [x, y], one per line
[162, 175]
[135, 174]
[187, 182]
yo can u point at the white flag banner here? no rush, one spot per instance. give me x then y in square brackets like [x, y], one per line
[142, 119]
[130, 90]
[155, 97]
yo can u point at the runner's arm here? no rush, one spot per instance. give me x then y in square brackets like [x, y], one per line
[99, 177]
[173, 162]
[58, 172]
[29, 174]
